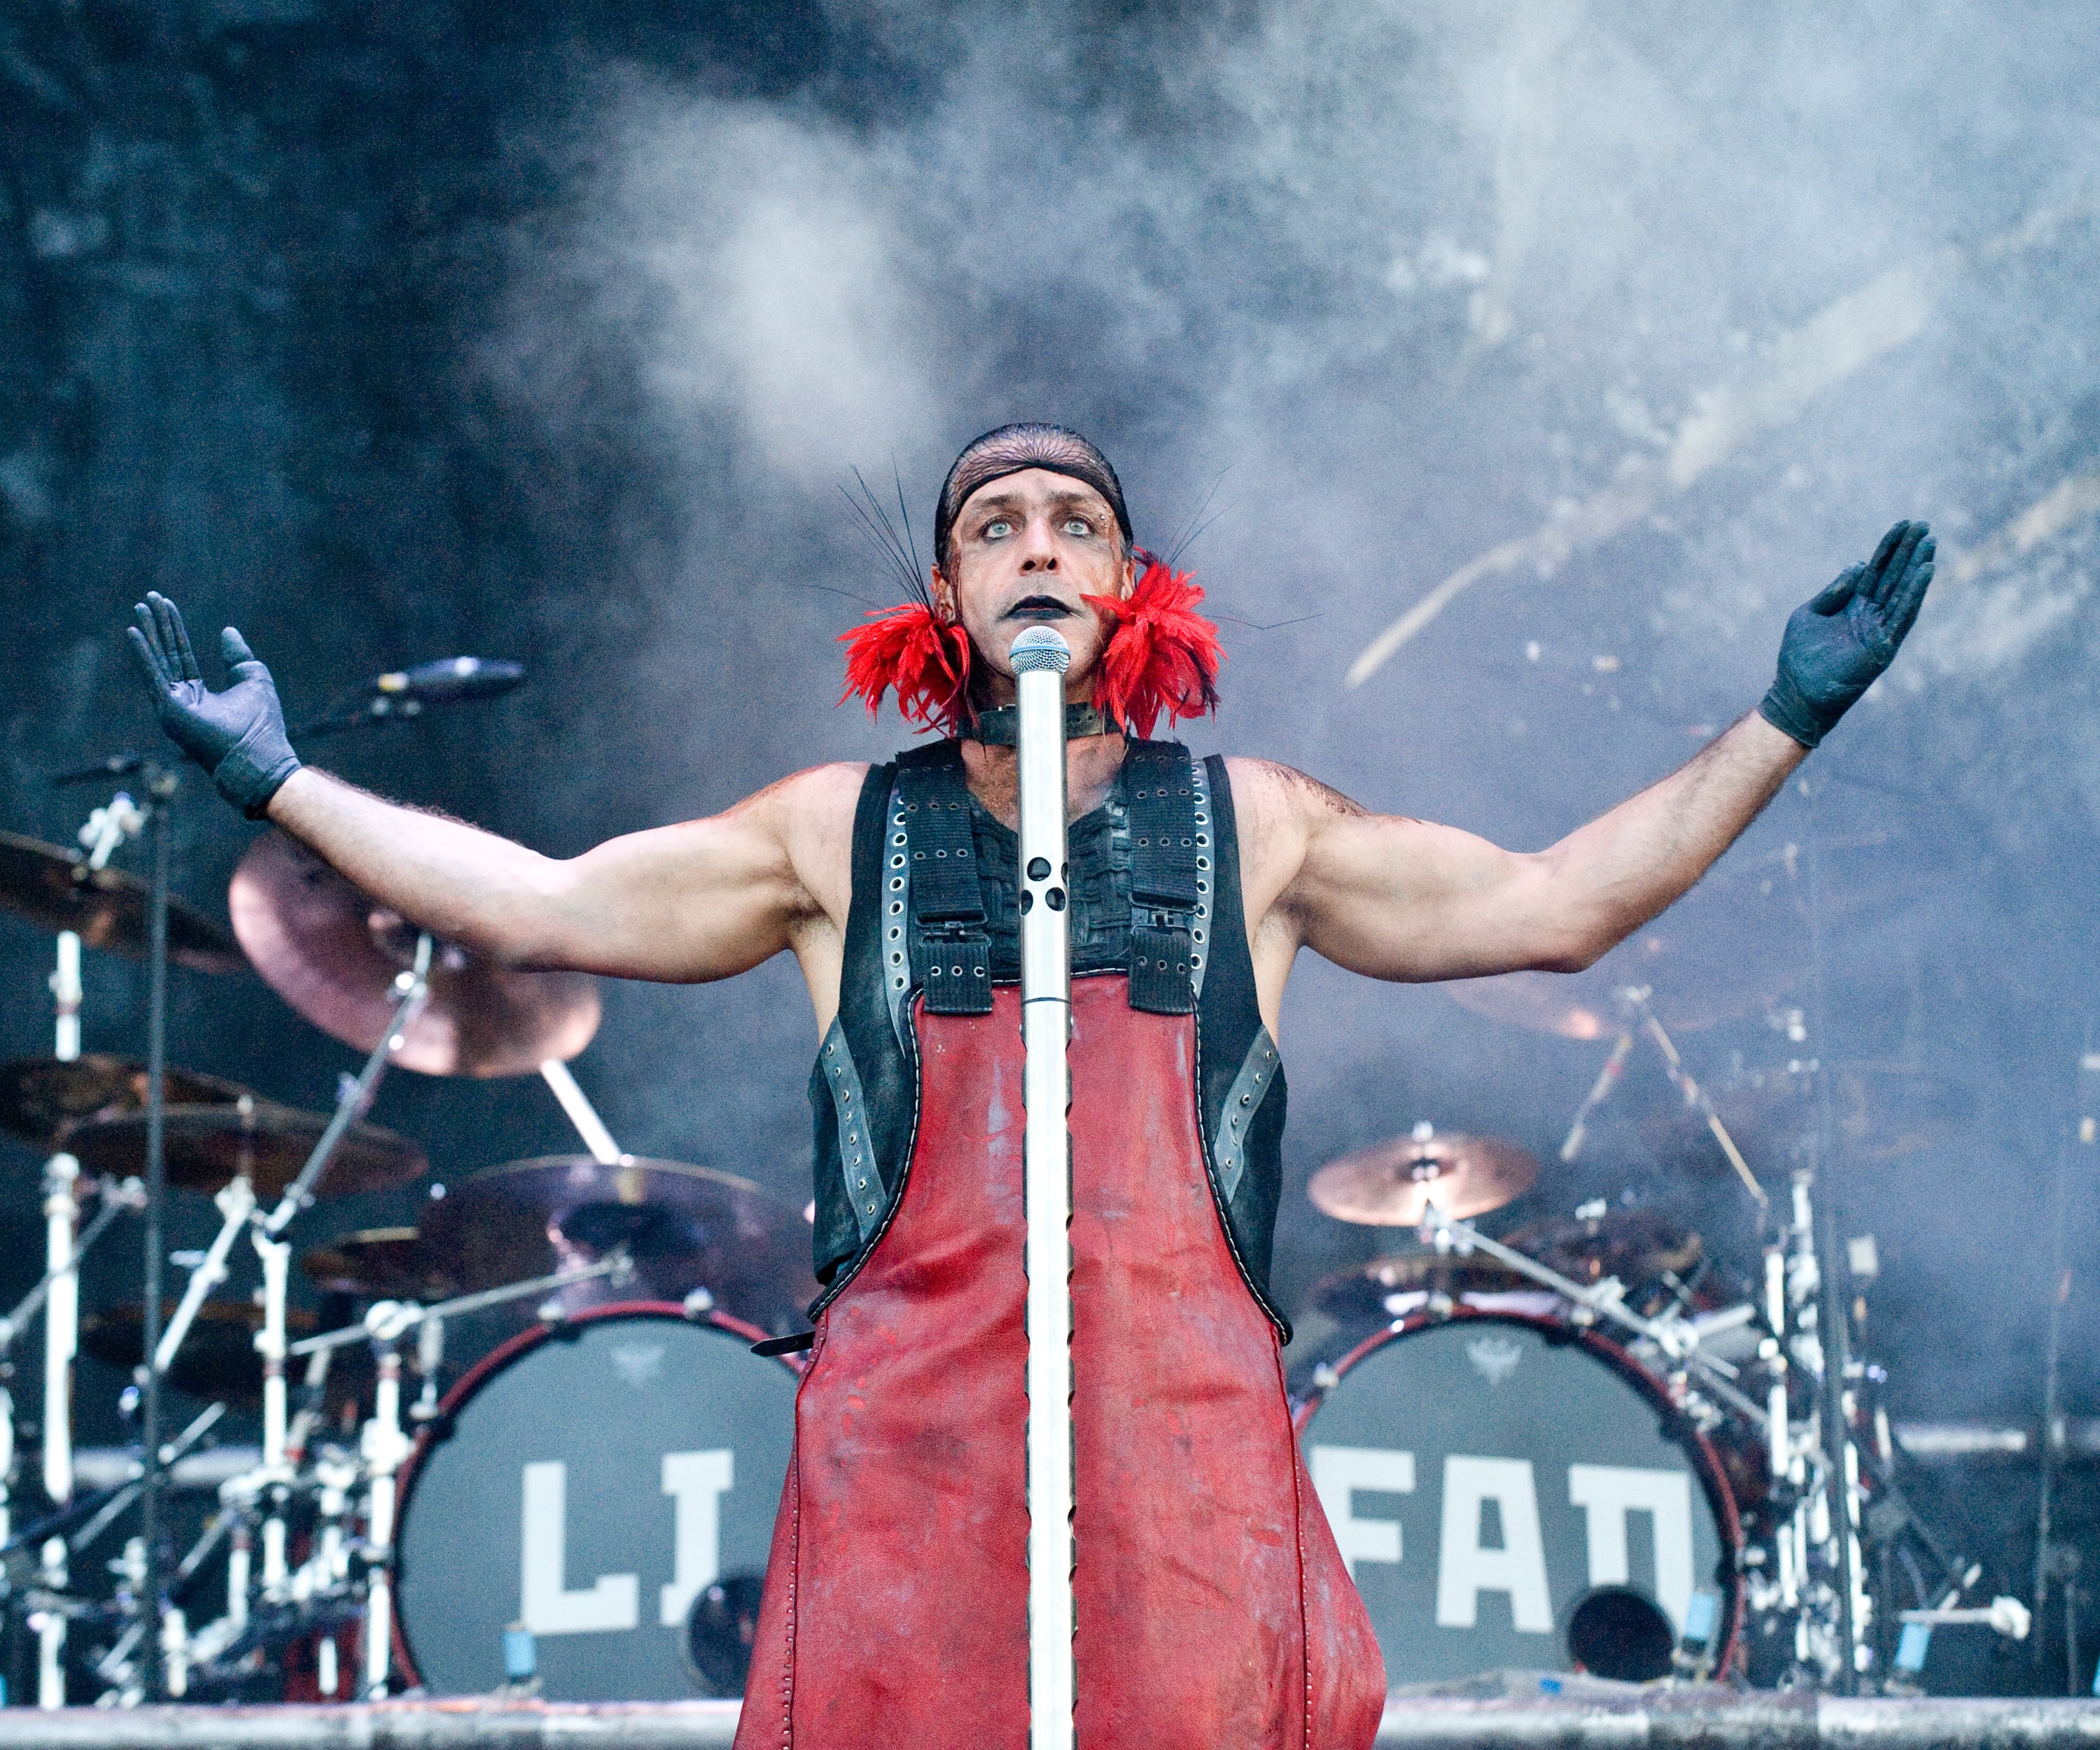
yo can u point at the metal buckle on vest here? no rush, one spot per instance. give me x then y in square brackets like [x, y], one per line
[1161, 977]
[955, 968]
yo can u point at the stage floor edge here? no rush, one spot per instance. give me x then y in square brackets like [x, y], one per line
[1753, 1720]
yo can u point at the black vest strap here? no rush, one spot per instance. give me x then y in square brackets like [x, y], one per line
[950, 952]
[1164, 859]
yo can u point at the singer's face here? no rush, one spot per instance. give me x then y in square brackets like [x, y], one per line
[1023, 552]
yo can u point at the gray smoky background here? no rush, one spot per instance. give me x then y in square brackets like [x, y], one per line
[1511, 368]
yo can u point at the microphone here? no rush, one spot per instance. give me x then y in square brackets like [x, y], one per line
[115, 766]
[405, 692]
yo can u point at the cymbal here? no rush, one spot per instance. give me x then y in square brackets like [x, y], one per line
[1635, 1246]
[108, 908]
[685, 1228]
[1733, 945]
[1880, 1112]
[206, 1146]
[1390, 1185]
[39, 1096]
[1358, 1296]
[381, 1263]
[333, 955]
[218, 1361]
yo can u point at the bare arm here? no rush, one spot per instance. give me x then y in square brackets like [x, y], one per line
[1407, 900]
[702, 900]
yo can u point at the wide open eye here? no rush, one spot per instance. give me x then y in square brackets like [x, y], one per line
[998, 529]
[1077, 526]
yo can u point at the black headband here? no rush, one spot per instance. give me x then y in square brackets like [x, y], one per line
[1015, 449]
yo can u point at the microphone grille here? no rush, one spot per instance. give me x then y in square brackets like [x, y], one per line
[1040, 647]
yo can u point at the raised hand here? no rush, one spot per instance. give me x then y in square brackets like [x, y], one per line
[238, 735]
[1836, 645]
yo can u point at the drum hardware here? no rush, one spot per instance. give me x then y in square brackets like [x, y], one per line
[1393, 1184]
[61, 1329]
[1674, 1336]
[1636, 1001]
[1636, 1246]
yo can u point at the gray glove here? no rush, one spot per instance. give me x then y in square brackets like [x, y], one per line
[1836, 645]
[238, 736]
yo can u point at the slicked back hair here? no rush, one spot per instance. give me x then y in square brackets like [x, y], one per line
[1010, 449]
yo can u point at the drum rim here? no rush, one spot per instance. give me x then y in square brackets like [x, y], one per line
[494, 1362]
[1713, 1475]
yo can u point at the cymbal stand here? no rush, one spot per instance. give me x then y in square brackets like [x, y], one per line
[384, 1446]
[398, 1317]
[107, 827]
[2055, 1561]
[237, 1205]
[161, 788]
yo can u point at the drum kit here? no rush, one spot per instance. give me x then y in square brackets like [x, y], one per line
[629, 1291]
[1525, 1443]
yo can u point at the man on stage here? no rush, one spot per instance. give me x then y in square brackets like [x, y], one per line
[1213, 1610]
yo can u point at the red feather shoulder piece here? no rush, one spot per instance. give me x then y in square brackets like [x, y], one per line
[1162, 657]
[906, 650]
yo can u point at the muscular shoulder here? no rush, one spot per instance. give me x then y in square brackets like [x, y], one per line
[809, 813]
[1280, 812]
[1283, 795]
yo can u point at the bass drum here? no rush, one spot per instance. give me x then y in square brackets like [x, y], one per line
[589, 1480]
[1485, 1471]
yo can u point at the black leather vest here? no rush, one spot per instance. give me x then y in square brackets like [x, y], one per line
[935, 918]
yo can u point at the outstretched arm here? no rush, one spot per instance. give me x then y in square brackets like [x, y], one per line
[1405, 900]
[1408, 900]
[699, 900]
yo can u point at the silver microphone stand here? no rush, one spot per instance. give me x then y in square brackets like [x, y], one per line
[1040, 658]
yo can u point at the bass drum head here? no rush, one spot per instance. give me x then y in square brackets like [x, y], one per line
[590, 1481]
[1484, 1472]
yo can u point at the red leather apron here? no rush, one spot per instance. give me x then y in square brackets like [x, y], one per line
[1214, 1609]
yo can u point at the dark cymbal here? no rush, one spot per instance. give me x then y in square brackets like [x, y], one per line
[381, 1263]
[108, 908]
[1733, 945]
[1637, 1246]
[1879, 1112]
[217, 1361]
[333, 955]
[685, 1228]
[39, 1096]
[1390, 1185]
[1359, 1296]
[206, 1146]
